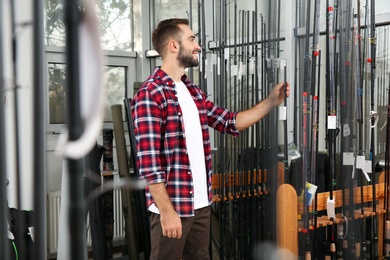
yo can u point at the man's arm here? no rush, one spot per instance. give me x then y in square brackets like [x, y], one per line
[170, 220]
[251, 116]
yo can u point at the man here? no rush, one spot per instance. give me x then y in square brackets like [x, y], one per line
[171, 119]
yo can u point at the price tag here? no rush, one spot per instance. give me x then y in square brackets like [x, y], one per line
[233, 70]
[282, 113]
[332, 122]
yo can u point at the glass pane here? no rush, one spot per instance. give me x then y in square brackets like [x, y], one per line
[54, 26]
[115, 24]
[114, 82]
[57, 106]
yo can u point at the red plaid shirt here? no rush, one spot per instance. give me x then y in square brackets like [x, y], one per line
[161, 142]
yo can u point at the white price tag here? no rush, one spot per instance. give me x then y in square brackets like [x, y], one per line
[346, 130]
[282, 113]
[348, 159]
[233, 70]
[252, 66]
[332, 122]
[227, 53]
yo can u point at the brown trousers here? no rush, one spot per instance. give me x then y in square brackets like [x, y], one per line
[194, 243]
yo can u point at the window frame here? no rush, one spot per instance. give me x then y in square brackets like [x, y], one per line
[125, 59]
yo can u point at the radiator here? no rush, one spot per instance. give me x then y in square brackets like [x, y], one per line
[53, 211]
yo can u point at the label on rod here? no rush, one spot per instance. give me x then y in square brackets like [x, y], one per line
[252, 66]
[348, 159]
[282, 113]
[239, 70]
[346, 130]
[205, 69]
[200, 62]
[332, 122]
[243, 69]
[233, 70]
[227, 53]
[218, 66]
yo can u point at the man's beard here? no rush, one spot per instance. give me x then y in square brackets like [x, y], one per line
[186, 60]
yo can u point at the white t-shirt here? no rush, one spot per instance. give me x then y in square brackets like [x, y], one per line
[194, 141]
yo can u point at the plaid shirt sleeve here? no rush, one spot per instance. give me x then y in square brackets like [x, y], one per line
[221, 119]
[147, 128]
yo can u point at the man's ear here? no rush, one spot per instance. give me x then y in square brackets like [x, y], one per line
[173, 46]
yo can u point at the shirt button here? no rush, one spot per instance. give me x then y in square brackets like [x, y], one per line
[189, 172]
[179, 113]
[190, 192]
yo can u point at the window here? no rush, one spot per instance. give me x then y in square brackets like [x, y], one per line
[116, 21]
[118, 71]
[115, 18]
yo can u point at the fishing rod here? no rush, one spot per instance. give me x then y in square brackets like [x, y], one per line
[16, 124]
[75, 166]
[355, 133]
[255, 130]
[386, 247]
[296, 96]
[315, 104]
[331, 115]
[262, 187]
[222, 144]
[361, 248]
[306, 137]
[285, 132]
[235, 155]
[305, 148]
[39, 134]
[373, 131]
[246, 158]
[345, 90]
[5, 253]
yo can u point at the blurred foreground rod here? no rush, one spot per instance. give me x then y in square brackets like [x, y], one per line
[4, 253]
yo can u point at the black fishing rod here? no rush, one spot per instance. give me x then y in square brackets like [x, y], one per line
[235, 154]
[346, 94]
[373, 129]
[202, 78]
[254, 133]
[386, 233]
[285, 126]
[305, 136]
[305, 149]
[5, 253]
[331, 116]
[223, 205]
[241, 171]
[76, 210]
[261, 186]
[39, 160]
[16, 124]
[16, 101]
[296, 95]
[314, 90]
[361, 249]
[355, 135]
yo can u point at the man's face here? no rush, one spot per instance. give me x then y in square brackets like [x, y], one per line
[189, 48]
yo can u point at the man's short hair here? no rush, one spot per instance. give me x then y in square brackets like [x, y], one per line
[166, 30]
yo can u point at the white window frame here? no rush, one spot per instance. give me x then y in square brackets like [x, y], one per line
[111, 58]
